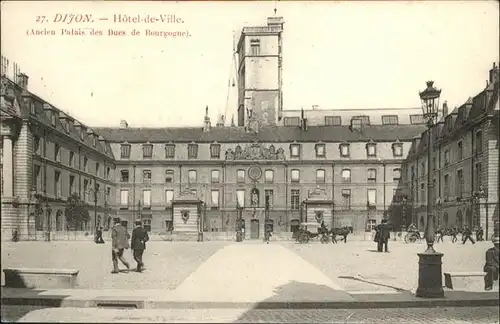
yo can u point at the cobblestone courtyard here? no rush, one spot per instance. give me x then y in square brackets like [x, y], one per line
[169, 263]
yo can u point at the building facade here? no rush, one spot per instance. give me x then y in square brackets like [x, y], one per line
[464, 166]
[46, 156]
[358, 159]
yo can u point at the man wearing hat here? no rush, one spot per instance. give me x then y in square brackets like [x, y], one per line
[119, 242]
[491, 266]
[138, 243]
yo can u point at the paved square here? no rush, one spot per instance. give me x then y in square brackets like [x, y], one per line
[167, 263]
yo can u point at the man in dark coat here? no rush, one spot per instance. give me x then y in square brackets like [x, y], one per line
[119, 242]
[479, 234]
[384, 234]
[467, 235]
[138, 244]
[491, 266]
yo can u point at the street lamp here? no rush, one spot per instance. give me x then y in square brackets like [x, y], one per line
[404, 200]
[430, 278]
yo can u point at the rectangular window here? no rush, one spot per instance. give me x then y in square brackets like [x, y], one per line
[194, 192]
[97, 169]
[71, 159]
[240, 197]
[344, 150]
[215, 176]
[85, 164]
[333, 121]
[169, 196]
[57, 153]
[372, 175]
[371, 224]
[346, 176]
[32, 108]
[254, 47]
[295, 175]
[146, 198]
[295, 150]
[460, 151]
[215, 151]
[53, 118]
[396, 174]
[320, 150]
[390, 120]
[346, 199]
[85, 189]
[479, 142]
[192, 176]
[58, 187]
[269, 194]
[192, 151]
[215, 200]
[422, 194]
[372, 197]
[169, 151]
[477, 178]
[295, 199]
[460, 183]
[397, 150]
[124, 198]
[36, 144]
[125, 151]
[36, 177]
[269, 176]
[124, 176]
[446, 186]
[147, 151]
[446, 157]
[371, 150]
[417, 119]
[291, 121]
[169, 176]
[320, 176]
[146, 175]
[71, 185]
[240, 176]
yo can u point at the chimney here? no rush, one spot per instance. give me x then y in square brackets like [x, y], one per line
[275, 22]
[206, 121]
[494, 74]
[123, 124]
[22, 80]
[445, 109]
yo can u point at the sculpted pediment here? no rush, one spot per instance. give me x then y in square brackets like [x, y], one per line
[255, 151]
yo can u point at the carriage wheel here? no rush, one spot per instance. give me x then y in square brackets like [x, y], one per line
[407, 236]
[413, 238]
[324, 239]
[303, 238]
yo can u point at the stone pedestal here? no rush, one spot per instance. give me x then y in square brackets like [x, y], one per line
[430, 275]
[187, 217]
[318, 208]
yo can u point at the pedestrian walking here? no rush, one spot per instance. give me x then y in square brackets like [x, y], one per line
[467, 235]
[119, 242]
[98, 238]
[383, 230]
[138, 244]
[491, 267]
[479, 234]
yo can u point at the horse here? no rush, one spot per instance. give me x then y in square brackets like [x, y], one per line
[453, 232]
[342, 231]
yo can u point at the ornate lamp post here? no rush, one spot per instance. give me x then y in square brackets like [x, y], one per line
[404, 201]
[430, 277]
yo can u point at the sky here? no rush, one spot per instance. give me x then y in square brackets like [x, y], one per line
[337, 55]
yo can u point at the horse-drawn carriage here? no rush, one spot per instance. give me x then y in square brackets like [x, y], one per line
[312, 230]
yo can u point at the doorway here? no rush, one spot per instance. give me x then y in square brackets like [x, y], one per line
[254, 229]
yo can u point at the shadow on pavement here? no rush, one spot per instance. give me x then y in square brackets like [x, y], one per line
[297, 295]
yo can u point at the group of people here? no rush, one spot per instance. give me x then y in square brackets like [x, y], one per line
[120, 242]
[440, 232]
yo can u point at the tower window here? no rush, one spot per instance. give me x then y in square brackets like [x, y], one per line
[254, 47]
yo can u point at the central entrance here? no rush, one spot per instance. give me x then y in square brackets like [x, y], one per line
[254, 229]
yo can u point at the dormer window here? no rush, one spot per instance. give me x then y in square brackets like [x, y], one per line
[32, 108]
[295, 150]
[147, 151]
[397, 149]
[344, 150]
[94, 141]
[215, 151]
[192, 151]
[66, 126]
[169, 151]
[389, 120]
[371, 149]
[320, 150]
[53, 118]
[125, 151]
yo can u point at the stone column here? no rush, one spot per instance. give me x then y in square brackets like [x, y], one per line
[7, 170]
